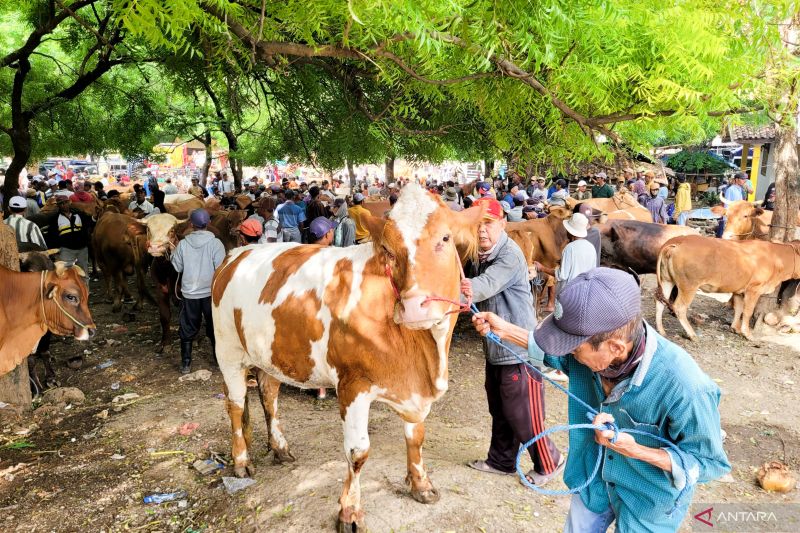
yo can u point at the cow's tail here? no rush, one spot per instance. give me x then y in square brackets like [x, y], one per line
[664, 257]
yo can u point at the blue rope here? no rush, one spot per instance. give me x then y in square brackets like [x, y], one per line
[591, 413]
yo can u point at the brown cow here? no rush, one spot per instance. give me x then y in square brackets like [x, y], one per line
[746, 221]
[362, 319]
[622, 201]
[184, 208]
[633, 245]
[32, 303]
[547, 236]
[378, 209]
[747, 269]
[225, 226]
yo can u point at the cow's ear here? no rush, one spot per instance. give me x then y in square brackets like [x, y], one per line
[464, 225]
[135, 227]
[758, 212]
[374, 225]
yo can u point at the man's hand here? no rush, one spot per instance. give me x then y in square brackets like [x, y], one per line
[486, 322]
[466, 289]
[625, 444]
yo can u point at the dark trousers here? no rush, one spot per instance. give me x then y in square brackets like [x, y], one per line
[193, 311]
[516, 403]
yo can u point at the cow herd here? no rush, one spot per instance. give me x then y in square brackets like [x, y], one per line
[374, 321]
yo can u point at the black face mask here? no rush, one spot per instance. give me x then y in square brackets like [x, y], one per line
[618, 373]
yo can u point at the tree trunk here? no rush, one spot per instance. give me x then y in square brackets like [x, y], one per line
[389, 164]
[21, 143]
[15, 386]
[207, 163]
[352, 173]
[787, 202]
[787, 185]
[488, 168]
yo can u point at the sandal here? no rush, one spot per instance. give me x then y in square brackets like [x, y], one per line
[535, 478]
[482, 466]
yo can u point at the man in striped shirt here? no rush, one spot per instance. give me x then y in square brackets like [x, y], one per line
[25, 230]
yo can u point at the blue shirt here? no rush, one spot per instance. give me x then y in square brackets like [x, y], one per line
[291, 215]
[669, 396]
[734, 193]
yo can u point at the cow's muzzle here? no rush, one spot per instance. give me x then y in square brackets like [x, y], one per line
[418, 312]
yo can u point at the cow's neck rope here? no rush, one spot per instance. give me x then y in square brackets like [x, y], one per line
[591, 413]
[60, 307]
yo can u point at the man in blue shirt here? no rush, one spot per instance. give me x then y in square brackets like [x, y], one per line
[735, 191]
[632, 376]
[291, 216]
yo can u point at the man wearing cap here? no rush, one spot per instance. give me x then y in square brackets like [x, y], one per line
[250, 232]
[656, 205]
[540, 192]
[578, 256]
[560, 195]
[141, 203]
[24, 230]
[592, 233]
[619, 365]
[357, 212]
[68, 232]
[515, 396]
[196, 257]
[483, 188]
[321, 231]
[602, 189]
[515, 213]
[735, 191]
[582, 194]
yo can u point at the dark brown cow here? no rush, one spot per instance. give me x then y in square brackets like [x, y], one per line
[32, 303]
[747, 269]
[634, 245]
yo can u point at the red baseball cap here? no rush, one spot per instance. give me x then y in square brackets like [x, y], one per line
[494, 211]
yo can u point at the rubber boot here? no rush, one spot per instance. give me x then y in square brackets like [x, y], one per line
[214, 363]
[186, 357]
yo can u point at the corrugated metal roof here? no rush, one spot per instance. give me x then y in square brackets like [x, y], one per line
[739, 134]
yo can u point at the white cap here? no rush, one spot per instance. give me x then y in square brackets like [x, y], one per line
[17, 202]
[581, 183]
[51, 182]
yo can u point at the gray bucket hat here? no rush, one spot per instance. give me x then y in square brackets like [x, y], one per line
[597, 301]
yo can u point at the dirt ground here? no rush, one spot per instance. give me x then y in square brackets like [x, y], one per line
[86, 467]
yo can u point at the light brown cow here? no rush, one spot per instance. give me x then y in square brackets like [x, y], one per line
[747, 269]
[31, 303]
[622, 201]
[746, 221]
[362, 319]
[547, 236]
[225, 225]
[184, 208]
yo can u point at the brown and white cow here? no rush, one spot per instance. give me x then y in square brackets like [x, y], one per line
[31, 303]
[358, 319]
[747, 221]
[747, 269]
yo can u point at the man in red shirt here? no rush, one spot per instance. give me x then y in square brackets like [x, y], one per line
[83, 194]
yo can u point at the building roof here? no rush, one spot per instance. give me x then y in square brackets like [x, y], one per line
[749, 134]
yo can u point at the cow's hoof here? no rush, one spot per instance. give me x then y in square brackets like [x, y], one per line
[282, 456]
[247, 470]
[426, 496]
[351, 521]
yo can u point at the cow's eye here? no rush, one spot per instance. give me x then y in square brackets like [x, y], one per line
[446, 238]
[71, 298]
